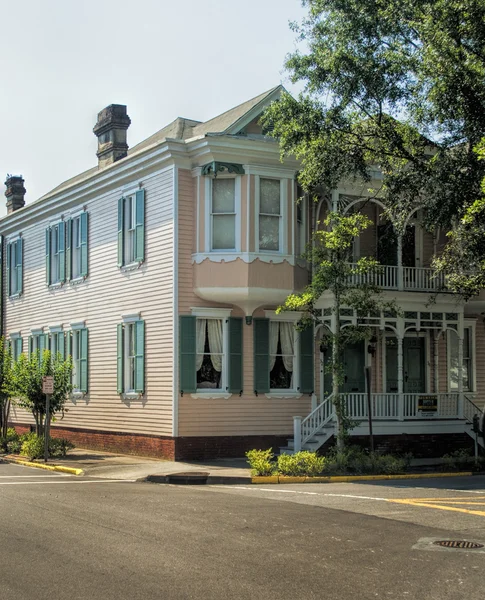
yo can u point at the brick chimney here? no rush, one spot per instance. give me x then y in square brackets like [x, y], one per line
[15, 192]
[110, 130]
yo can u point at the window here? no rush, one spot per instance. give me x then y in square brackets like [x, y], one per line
[269, 214]
[210, 360]
[38, 342]
[57, 343]
[453, 371]
[78, 349]
[223, 214]
[131, 229]
[281, 354]
[131, 356]
[14, 267]
[211, 353]
[55, 254]
[77, 246]
[16, 346]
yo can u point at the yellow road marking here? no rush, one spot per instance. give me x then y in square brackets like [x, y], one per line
[473, 498]
[480, 513]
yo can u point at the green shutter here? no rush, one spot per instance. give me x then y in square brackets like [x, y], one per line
[62, 251]
[68, 249]
[48, 255]
[31, 345]
[139, 356]
[140, 226]
[121, 227]
[235, 378]
[9, 254]
[18, 346]
[61, 344]
[187, 337]
[261, 355]
[120, 383]
[20, 258]
[68, 344]
[84, 360]
[306, 361]
[84, 244]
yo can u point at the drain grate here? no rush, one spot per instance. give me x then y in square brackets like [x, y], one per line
[462, 544]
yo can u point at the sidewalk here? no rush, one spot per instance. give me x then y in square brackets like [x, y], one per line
[122, 466]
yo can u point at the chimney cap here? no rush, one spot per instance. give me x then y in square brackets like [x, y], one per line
[112, 117]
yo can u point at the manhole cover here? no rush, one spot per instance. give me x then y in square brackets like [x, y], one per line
[458, 544]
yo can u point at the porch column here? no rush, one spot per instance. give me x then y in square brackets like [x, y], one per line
[400, 368]
[436, 363]
[460, 366]
[400, 277]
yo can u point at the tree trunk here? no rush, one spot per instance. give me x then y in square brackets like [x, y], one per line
[5, 416]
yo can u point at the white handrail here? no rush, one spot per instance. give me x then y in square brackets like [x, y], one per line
[313, 422]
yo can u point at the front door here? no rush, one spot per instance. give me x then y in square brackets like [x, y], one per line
[353, 360]
[414, 363]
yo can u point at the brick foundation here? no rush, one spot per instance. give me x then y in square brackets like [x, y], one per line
[421, 446]
[205, 448]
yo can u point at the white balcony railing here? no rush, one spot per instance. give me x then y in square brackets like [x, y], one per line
[407, 407]
[387, 277]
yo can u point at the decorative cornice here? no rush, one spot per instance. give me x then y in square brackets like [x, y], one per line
[216, 167]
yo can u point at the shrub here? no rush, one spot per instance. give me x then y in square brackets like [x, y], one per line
[261, 461]
[354, 460]
[459, 459]
[60, 446]
[33, 446]
[301, 463]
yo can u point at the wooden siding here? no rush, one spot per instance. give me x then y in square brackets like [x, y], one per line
[101, 300]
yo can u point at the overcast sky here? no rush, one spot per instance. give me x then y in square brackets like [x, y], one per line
[62, 61]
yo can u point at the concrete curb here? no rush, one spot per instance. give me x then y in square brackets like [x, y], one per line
[349, 478]
[59, 468]
[211, 480]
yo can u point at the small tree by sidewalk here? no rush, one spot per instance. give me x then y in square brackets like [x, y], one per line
[27, 383]
[350, 285]
[6, 386]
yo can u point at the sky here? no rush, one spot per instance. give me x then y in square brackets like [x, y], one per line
[62, 61]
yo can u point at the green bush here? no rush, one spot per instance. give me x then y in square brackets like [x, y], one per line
[33, 446]
[261, 462]
[457, 460]
[354, 460]
[301, 463]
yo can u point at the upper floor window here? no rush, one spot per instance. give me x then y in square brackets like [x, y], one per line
[14, 267]
[77, 246]
[131, 229]
[55, 253]
[223, 214]
[270, 215]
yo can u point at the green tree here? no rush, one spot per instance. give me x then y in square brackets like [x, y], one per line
[28, 372]
[350, 285]
[393, 84]
[6, 386]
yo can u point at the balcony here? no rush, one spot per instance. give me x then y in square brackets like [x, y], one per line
[407, 279]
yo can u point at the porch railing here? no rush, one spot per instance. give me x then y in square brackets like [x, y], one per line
[389, 277]
[412, 406]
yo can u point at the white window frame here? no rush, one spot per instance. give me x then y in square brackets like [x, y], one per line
[222, 314]
[471, 325]
[35, 334]
[76, 249]
[283, 217]
[13, 338]
[55, 274]
[129, 233]
[208, 215]
[128, 325]
[13, 267]
[288, 317]
[235, 214]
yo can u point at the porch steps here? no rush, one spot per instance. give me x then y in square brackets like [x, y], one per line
[313, 444]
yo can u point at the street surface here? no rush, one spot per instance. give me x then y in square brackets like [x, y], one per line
[76, 538]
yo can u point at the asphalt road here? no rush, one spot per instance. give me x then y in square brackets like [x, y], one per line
[63, 537]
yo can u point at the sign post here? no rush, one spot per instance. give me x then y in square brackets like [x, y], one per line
[48, 390]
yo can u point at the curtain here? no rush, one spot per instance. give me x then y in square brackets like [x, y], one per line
[287, 344]
[200, 342]
[274, 328]
[214, 328]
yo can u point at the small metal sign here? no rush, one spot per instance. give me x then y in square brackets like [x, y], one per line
[428, 405]
[48, 385]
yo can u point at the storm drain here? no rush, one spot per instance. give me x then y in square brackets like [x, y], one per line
[461, 544]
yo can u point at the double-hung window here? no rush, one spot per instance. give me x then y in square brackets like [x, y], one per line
[210, 353]
[131, 356]
[77, 348]
[55, 248]
[57, 344]
[283, 356]
[77, 246]
[38, 342]
[131, 229]
[453, 370]
[16, 346]
[223, 214]
[270, 215]
[14, 267]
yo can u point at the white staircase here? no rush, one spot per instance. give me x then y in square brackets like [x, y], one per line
[314, 430]
[470, 409]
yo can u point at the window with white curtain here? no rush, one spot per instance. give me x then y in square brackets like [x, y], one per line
[269, 214]
[210, 357]
[282, 355]
[223, 214]
[467, 360]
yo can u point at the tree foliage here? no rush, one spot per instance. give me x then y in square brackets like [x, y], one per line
[393, 84]
[28, 372]
[6, 386]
